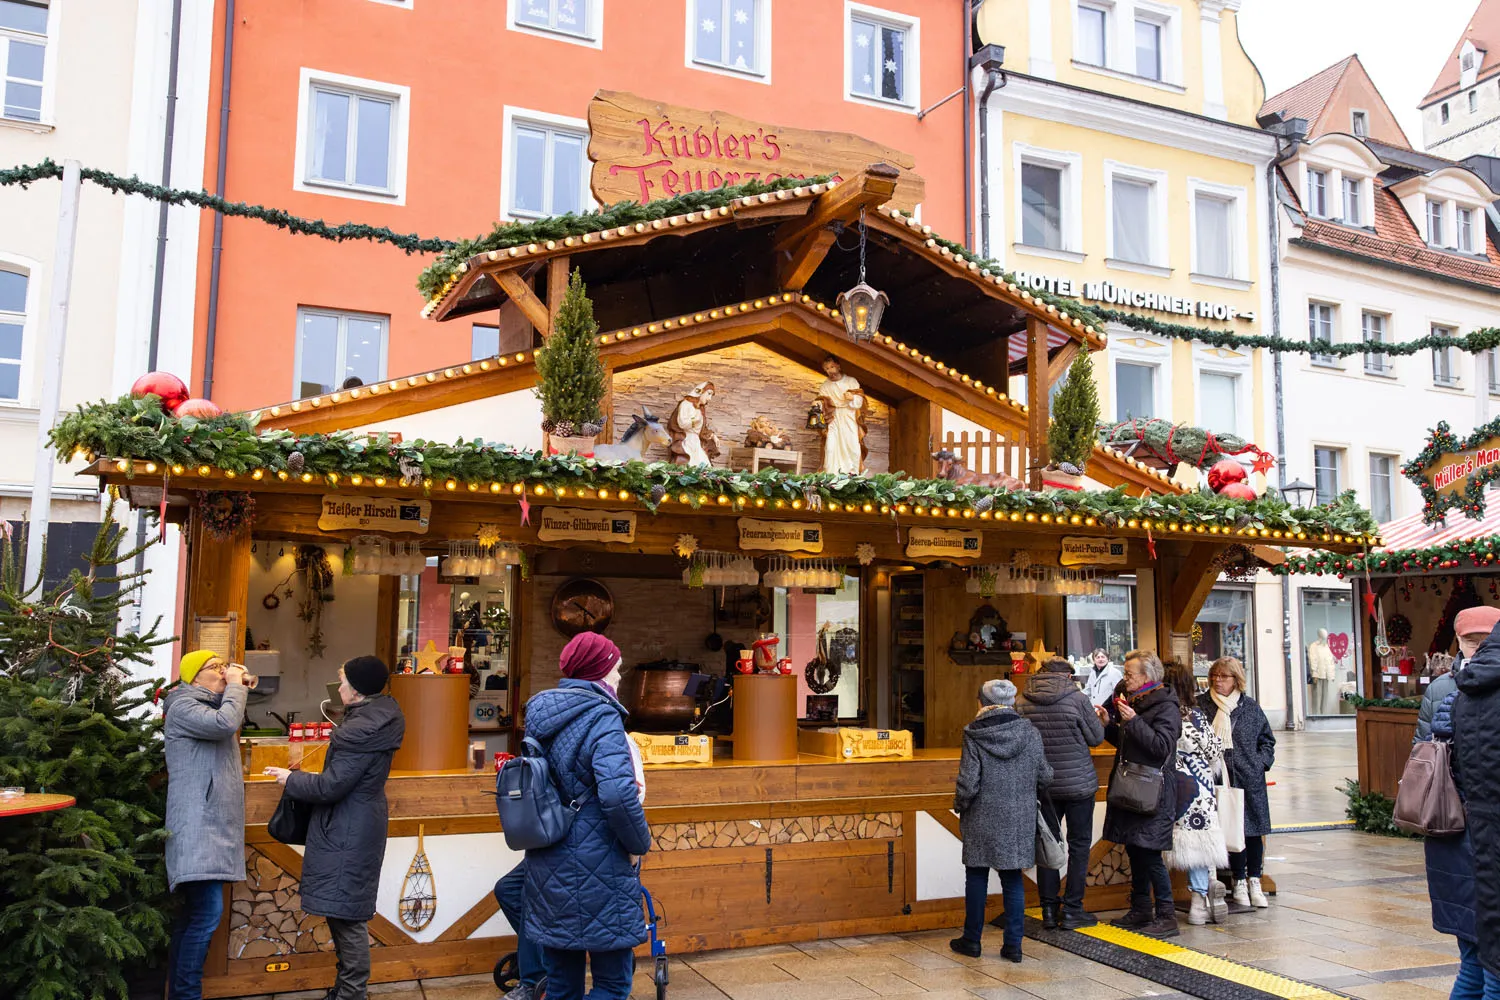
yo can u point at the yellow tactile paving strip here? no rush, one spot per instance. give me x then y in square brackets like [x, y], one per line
[1212, 965]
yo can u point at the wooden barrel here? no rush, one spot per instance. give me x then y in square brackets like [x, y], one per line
[436, 707]
[765, 717]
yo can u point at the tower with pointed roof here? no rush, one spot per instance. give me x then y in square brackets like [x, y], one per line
[1461, 112]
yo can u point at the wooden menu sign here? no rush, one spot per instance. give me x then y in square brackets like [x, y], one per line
[643, 150]
[1451, 472]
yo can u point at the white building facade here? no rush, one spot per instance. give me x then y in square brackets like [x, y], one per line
[88, 81]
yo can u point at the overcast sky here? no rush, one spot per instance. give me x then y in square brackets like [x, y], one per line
[1402, 44]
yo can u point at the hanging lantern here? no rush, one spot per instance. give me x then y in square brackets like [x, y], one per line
[862, 306]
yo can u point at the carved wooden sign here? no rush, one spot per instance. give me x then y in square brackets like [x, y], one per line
[643, 150]
[943, 543]
[1451, 472]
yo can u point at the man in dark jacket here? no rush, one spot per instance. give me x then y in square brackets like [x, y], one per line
[583, 894]
[1472, 626]
[1145, 725]
[1476, 721]
[347, 833]
[1065, 717]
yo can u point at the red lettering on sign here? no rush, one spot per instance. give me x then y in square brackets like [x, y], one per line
[640, 174]
[731, 145]
[652, 135]
[775, 149]
[669, 183]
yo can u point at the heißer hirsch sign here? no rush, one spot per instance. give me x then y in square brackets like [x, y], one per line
[643, 150]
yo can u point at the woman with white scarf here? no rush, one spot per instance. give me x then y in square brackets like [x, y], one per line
[1249, 752]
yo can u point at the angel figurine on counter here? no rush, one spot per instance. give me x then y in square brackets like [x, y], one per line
[844, 420]
[693, 442]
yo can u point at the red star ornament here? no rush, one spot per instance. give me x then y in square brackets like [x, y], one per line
[1369, 599]
[1264, 462]
[525, 510]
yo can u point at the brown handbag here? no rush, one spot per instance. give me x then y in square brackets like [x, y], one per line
[1427, 802]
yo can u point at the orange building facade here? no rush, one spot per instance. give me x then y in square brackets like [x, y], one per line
[438, 118]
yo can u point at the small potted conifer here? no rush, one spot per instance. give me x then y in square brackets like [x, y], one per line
[570, 376]
[1071, 435]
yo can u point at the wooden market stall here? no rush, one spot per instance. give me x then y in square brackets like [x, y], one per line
[895, 591]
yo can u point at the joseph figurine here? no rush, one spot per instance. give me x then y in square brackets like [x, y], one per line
[844, 420]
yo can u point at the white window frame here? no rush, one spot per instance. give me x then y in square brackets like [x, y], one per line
[1157, 379]
[403, 4]
[1239, 247]
[1376, 362]
[1169, 19]
[400, 123]
[342, 315]
[1459, 212]
[1340, 468]
[1071, 189]
[1324, 360]
[1159, 262]
[1110, 43]
[1357, 218]
[759, 73]
[488, 326]
[1241, 397]
[1473, 101]
[1315, 177]
[593, 40]
[1394, 478]
[1358, 117]
[1492, 357]
[1428, 205]
[911, 102]
[30, 328]
[539, 119]
[1133, 348]
[51, 42]
[1450, 354]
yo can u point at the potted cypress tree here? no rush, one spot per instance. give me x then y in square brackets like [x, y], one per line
[1071, 435]
[570, 381]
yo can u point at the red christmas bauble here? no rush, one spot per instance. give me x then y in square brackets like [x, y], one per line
[197, 407]
[1225, 470]
[171, 389]
[1237, 491]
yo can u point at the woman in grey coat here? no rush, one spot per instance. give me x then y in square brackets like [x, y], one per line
[1249, 752]
[205, 806]
[1065, 717]
[347, 833]
[1000, 773]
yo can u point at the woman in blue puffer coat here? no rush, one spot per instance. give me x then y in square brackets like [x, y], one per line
[583, 894]
[1450, 886]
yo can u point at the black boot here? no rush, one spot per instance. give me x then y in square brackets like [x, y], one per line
[1049, 916]
[964, 946]
[1140, 913]
[1072, 920]
[1165, 923]
[1011, 953]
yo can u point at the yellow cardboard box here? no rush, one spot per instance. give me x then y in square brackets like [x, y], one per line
[845, 743]
[658, 749]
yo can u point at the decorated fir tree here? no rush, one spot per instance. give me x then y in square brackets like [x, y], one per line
[570, 374]
[1075, 415]
[83, 890]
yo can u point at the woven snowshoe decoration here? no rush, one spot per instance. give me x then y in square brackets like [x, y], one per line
[418, 890]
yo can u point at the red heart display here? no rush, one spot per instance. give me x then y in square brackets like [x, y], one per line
[1338, 644]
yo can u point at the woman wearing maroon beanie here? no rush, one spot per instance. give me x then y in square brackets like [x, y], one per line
[583, 894]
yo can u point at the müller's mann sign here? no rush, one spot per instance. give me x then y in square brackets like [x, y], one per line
[342, 512]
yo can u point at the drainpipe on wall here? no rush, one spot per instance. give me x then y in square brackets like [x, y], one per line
[990, 59]
[970, 7]
[218, 245]
[1274, 235]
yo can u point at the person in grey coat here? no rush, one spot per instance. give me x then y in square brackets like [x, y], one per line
[205, 807]
[1001, 770]
[1472, 626]
[1249, 752]
[347, 833]
[1065, 717]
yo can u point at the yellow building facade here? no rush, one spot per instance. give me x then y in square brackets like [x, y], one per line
[1121, 164]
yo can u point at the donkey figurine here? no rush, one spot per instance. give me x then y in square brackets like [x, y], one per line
[952, 468]
[644, 431]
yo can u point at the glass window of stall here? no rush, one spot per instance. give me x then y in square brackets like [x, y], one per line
[468, 619]
[1106, 620]
[820, 631]
[1328, 648]
[1225, 627]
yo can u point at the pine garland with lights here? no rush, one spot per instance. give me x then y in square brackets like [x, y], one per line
[1473, 553]
[1172, 443]
[570, 376]
[1075, 413]
[1442, 441]
[143, 440]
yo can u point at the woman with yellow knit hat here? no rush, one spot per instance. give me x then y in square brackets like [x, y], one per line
[205, 806]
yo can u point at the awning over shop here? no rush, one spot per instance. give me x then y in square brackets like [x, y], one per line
[1411, 532]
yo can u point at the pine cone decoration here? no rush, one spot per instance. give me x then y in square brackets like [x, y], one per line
[658, 493]
[549, 425]
[1243, 521]
[1070, 468]
[985, 503]
[295, 463]
[1110, 519]
[592, 429]
[565, 429]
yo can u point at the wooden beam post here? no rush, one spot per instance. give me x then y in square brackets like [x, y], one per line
[916, 428]
[218, 581]
[557, 287]
[525, 299]
[1183, 579]
[1058, 367]
[1037, 399]
[802, 243]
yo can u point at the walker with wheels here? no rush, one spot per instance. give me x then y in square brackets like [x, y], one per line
[507, 969]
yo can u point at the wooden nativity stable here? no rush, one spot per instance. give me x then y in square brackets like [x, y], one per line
[739, 292]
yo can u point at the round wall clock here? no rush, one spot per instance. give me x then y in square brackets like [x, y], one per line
[582, 606]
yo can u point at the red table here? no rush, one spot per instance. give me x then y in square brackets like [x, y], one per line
[33, 802]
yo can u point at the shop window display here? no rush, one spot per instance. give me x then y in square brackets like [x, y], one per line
[1105, 620]
[820, 632]
[1224, 628]
[1328, 647]
[468, 621]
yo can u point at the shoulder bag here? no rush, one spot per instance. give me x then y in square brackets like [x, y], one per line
[1231, 805]
[1051, 850]
[290, 821]
[1136, 788]
[1427, 801]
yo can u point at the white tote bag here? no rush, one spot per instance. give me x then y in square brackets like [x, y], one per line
[1231, 803]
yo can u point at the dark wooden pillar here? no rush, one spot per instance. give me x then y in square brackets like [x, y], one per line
[916, 430]
[1037, 400]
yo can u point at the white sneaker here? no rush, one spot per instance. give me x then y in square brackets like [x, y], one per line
[1241, 892]
[1218, 910]
[1198, 910]
[1257, 898]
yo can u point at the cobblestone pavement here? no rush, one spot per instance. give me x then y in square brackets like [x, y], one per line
[1351, 915]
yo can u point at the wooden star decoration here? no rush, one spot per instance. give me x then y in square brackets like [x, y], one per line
[427, 658]
[1039, 656]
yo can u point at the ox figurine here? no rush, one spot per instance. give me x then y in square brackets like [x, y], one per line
[644, 431]
[952, 468]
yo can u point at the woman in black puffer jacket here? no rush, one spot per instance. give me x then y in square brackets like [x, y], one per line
[1145, 725]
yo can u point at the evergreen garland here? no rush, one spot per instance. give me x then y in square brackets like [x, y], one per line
[1075, 414]
[83, 891]
[136, 431]
[1480, 553]
[570, 376]
[1172, 443]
